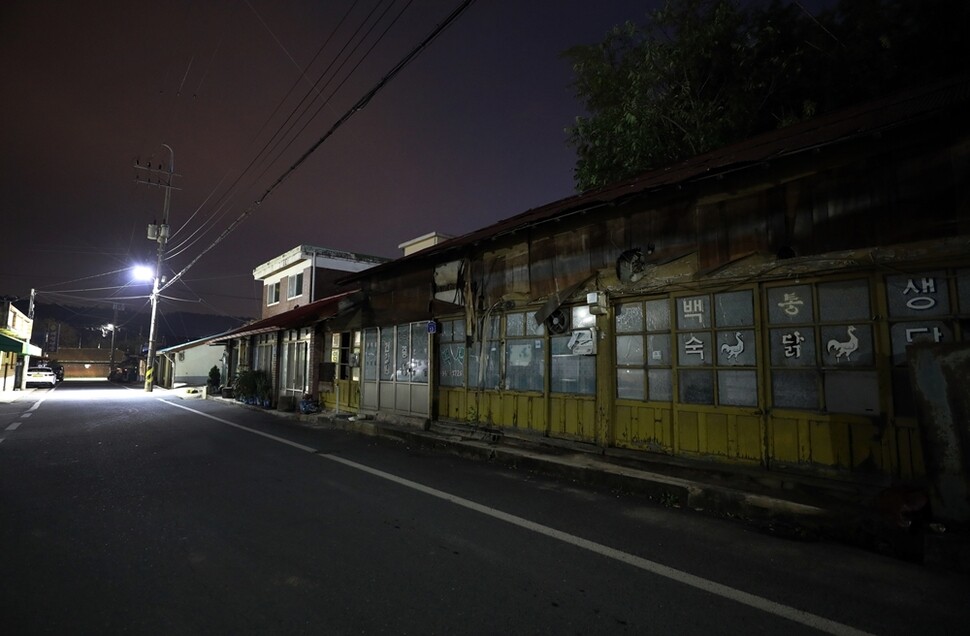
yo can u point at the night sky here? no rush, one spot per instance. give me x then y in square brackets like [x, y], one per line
[470, 133]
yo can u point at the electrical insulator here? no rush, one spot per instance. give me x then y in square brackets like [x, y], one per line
[152, 232]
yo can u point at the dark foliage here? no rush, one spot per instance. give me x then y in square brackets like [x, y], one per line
[700, 74]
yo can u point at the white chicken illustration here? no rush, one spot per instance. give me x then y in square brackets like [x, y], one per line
[844, 349]
[733, 351]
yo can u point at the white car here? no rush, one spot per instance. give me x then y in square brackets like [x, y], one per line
[41, 375]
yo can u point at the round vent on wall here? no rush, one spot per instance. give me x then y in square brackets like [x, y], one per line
[558, 321]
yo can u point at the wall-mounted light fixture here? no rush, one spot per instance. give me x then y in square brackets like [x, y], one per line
[597, 303]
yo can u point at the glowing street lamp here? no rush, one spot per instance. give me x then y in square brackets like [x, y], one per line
[142, 273]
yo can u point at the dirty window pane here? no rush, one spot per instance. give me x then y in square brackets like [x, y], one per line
[387, 353]
[419, 352]
[629, 318]
[571, 373]
[737, 388]
[918, 295]
[402, 352]
[697, 387]
[793, 347]
[693, 312]
[459, 327]
[852, 392]
[447, 331]
[903, 334]
[658, 350]
[790, 305]
[629, 384]
[483, 365]
[533, 328]
[847, 345]
[736, 348]
[658, 315]
[629, 350]
[694, 348]
[661, 384]
[844, 300]
[734, 309]
[370, 354]
[515, 324]
[485, 359]
[451, 364]
[524, 365]
[794, 389]
[582, 317]
[963, 290]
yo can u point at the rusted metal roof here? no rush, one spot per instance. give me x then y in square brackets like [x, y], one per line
[303, 316]
[870, 118]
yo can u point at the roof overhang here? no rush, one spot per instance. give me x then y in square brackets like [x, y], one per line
[21, 347]
[304, 316]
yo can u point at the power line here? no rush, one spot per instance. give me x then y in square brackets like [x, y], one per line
[226, 197]
[360, 105]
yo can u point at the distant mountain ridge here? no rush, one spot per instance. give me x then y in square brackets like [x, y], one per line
[88, 322]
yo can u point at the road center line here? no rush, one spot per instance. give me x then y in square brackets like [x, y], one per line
[26, 414]
[242, 428]
[814, 621]
[13, 426]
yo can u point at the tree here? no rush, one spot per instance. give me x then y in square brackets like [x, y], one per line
[701, 74]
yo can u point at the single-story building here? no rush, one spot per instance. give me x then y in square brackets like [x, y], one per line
[752, 305]
[190, 363]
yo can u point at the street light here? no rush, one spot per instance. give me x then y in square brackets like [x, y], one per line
[142, 273]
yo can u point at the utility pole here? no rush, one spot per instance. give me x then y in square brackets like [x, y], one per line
[114, 328]
[26, 359]
[157, 233]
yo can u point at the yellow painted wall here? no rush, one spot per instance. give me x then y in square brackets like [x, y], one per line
[349, 396]
[572, 417]
[644, 426]
[843, 442]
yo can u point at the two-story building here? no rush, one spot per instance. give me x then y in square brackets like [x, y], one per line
[301, 289]
[15, 347]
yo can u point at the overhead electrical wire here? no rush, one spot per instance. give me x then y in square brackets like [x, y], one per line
[357, 107]
[282, 135]
[226, 198]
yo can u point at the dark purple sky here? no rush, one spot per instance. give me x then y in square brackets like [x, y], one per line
[470, 133]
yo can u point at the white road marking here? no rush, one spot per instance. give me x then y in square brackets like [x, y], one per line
[13, 426]
[26, 414]
[242, 428]
[814, 621]
[35, 405]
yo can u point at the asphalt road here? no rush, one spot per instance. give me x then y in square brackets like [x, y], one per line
[127, 512]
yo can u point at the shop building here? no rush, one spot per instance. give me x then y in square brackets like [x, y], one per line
[753, 305]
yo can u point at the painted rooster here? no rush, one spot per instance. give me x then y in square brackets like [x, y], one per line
[844, 349]
[733, 351]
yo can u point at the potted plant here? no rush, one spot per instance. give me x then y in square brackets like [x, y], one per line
[245, 386]
[214, 381]
[262, 388]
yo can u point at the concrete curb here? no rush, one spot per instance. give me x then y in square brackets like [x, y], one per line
[777, 512]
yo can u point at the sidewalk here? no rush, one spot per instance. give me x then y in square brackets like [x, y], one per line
[792, 506]
[8, 396]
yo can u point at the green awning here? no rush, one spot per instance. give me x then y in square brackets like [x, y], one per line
[15, 345]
